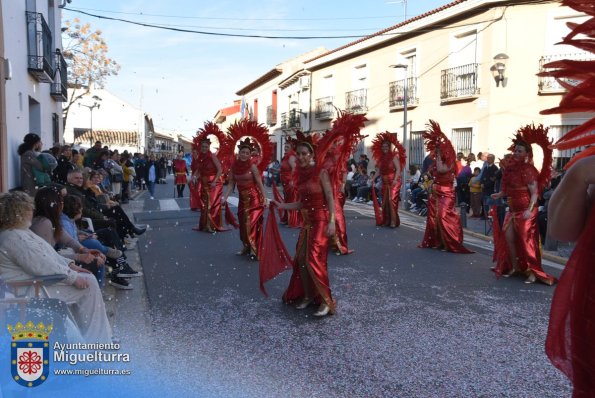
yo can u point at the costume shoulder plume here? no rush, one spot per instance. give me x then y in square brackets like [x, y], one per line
[257, 132]
[212, 129]
[392, 138]
[532, 134]
[436, 139]
[580, 97]
[347, 126]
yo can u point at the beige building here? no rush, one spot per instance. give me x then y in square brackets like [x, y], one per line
[471, 65]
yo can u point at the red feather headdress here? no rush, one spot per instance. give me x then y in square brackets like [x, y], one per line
[532, 134]
[212, 129]
[259, 136]
[347, 127]
[398, 148]
[580, 97]
[435, 139]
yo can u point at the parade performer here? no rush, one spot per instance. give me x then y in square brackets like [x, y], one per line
[292, 218]
[208, 176]
[309, 281]
[180, 171]
[346, 128]
[194, 184]
[571, 216]
[389, 155]
[443, 227]
[246, 174]
[519, 251]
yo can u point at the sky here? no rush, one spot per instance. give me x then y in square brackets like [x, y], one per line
[182, 79]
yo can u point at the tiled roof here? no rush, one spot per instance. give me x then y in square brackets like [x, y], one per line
[230, 110]
[107, 137]
[401, 24]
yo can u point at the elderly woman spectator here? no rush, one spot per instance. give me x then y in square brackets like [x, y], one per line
[24, 255]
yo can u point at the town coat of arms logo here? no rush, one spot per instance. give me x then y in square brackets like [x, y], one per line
[30, 353]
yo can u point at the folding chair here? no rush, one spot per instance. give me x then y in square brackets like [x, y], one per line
[17, 304]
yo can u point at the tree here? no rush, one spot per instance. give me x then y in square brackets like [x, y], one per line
[85, 52]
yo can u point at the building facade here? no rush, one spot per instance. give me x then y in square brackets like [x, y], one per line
[33, 79]
[101, 116]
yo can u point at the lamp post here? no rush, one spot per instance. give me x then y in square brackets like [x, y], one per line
[405, 143]
[97, 105]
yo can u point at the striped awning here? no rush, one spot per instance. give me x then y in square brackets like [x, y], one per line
[108, 137]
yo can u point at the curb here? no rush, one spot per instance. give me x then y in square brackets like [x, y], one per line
[548, 256]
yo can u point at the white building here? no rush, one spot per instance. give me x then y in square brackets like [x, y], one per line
[32, 79]
[101, 116]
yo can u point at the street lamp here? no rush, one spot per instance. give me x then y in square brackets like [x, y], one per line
[405, 145]
[97, 105]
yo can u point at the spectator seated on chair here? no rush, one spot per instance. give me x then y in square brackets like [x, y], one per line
[360, 179]
[363, 192]
[24, 255]
[70, 213]
[420, 193]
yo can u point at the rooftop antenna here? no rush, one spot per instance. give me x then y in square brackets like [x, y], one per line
[404, 2]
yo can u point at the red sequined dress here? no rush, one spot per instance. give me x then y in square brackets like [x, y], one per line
[517, 175]
[180, 171]
[250, 206]
[390, 192]
[292, 218]
[211, 215]
[312, 245]
[443, 227]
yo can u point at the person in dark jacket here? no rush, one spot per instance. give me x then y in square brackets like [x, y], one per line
[64, 165]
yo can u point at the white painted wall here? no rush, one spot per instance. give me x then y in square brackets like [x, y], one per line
[23, 85]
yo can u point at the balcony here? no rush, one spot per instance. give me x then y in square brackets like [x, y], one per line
[39, 48]
[59, 88]
[324, 108]
[459, 83]
[271, 116]
[291, 119]
[549, 85]
[396, 93]
[356, 101]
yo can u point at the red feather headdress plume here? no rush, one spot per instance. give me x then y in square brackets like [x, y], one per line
[580, 97]
[532, 134]
[259, 136]
[398, 148]
[210, 129]
[347, 127]
[435, 139]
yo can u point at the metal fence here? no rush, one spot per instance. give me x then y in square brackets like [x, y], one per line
[459, 82]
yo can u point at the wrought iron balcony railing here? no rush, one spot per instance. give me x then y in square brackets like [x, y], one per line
[549, 85]
[39, 47]
[271, 115]
[291, 119]
[59, 88]
[459, 82]
[357, 101]
[324, 108]
[396, 93]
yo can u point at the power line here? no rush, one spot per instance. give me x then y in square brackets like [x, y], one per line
[236, 19]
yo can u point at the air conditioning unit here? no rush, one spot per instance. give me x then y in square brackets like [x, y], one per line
[305, 82]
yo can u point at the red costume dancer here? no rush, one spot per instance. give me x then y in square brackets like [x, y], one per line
[292, 218]
[571, 214]
[194, 184]
[390, 163]
[247, 175]
[208, 176]
[346, 128]
[443, 227]
[519, 251]
[309, 281]
[180, 172]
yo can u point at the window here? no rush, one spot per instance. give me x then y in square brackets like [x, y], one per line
[562, 157]
[462, 140]
[360, 76]
[417, 150]
[55, 128]
[464, 49]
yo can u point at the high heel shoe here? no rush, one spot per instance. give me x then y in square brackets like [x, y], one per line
[531, 279]
[243, 252]
[323, 310]
[510, 273]
[304, 303]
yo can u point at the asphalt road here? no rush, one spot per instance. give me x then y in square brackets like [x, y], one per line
[410, 323]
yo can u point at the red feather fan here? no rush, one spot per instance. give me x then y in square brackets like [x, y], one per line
[203, 133]
[258, 133]
[392, 139]
[436, 139]
[532, 134]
